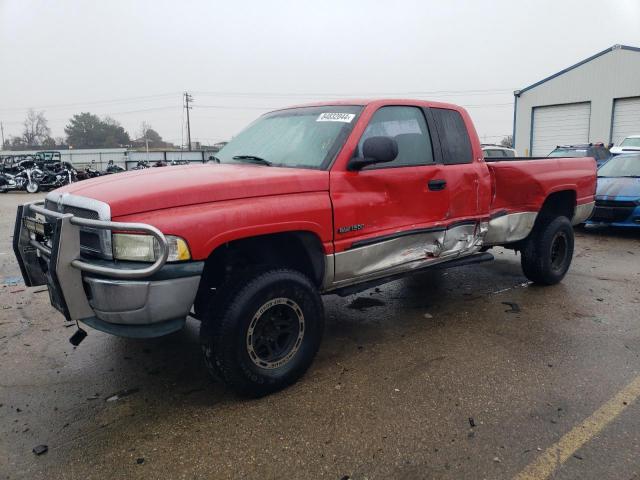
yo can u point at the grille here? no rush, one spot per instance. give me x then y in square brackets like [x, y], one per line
[611, 214]
[77, 211]
[615, 203]
[93, 241]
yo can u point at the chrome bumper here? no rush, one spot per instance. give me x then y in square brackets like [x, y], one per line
[130, 302]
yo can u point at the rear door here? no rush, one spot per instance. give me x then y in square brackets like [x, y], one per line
[390, 215]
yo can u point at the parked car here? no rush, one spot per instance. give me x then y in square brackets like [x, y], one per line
[497, 151]
[618, 192]
[326, 198]
[596, 150]
[629, 144]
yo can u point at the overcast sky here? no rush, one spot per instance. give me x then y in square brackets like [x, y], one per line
[132, 60]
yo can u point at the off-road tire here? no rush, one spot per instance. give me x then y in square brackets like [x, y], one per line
[228, 321]
[546, 255]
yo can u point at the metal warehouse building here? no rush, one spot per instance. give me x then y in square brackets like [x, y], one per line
[596, 100]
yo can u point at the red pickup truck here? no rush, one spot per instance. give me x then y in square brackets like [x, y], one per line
[308, 200]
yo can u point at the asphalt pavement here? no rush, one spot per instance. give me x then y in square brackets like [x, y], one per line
[466, 373]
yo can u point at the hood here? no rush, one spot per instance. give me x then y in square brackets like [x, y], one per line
[618, 187]
[175, 186]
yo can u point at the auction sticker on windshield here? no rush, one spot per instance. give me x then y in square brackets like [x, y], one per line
[336, 117]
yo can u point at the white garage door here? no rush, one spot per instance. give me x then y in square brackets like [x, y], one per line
[626, 119]
[559, 125]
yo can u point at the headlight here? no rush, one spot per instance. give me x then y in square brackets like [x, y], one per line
[145, 248]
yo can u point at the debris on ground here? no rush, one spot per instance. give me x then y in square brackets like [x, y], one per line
[122, 394]
[427, 315]
[515, 308]
[140, 460]
[497, 460]
[362, 303]
[472, 422]
[40, 449]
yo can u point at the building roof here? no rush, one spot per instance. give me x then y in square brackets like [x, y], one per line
[593, 57]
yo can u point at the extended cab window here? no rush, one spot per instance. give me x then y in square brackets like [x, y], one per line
[305, 137]
[408, 127]
[454, 138]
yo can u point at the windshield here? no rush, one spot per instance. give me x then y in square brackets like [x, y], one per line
[306, 137]
[568, 152]
[631, 142]
[621, 166]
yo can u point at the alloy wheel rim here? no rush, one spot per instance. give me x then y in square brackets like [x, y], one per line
[275, 333]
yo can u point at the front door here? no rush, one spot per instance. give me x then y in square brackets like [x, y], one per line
[390, 217]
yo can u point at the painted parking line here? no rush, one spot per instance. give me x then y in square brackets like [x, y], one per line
[559, 452]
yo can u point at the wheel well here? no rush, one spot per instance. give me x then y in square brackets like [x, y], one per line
[557, 204]
[301, 251]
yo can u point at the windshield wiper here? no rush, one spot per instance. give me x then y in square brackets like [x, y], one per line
[253, 158]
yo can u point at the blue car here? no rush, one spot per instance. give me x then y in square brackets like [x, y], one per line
[618, 192]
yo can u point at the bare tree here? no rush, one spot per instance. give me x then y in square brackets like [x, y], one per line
[144, 129]
[36, 129]
[147, 135]
[507, 141]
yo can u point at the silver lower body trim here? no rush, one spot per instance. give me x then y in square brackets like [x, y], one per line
[583, 212]
[402, 254]
[510, 228]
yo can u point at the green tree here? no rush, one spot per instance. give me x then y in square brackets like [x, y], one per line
[86, 130]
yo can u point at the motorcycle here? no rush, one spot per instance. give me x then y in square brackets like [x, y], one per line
[141, 165]
[48, 177]
[89, 172]
[112, 168]
[9, 182]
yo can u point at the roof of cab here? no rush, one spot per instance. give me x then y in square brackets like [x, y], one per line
[376, 102]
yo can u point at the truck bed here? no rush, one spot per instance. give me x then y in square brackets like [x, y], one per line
[523, 183]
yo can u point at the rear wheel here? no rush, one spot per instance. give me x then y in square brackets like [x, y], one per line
[262, 331]
[547, 253]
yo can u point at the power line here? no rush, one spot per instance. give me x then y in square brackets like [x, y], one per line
[359, 94]
[96, 102]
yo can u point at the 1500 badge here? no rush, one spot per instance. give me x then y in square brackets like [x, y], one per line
[351, 228]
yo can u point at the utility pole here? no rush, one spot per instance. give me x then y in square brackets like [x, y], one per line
[187, 99]
[2, 130]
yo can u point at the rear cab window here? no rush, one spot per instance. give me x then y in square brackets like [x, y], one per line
[454, 138]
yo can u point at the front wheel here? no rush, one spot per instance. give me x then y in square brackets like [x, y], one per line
[262, 331]
[33, 187]
[547, 253]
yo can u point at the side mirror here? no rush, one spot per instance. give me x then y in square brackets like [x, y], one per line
[375, 150]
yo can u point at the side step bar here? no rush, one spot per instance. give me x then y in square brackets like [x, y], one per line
[457, 262]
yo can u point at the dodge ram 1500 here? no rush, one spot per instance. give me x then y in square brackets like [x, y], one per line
[309, 200]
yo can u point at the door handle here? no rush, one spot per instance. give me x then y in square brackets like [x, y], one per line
[436, 185]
